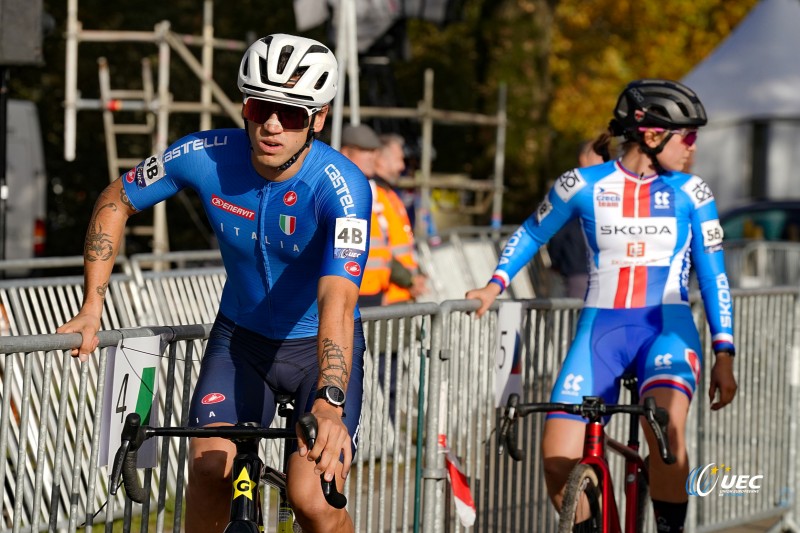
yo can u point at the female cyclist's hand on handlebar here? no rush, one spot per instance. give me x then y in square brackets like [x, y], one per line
[88, 326]
[332, 441]
[487, 295]
[722, 380]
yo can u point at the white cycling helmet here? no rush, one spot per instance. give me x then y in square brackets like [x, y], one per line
[289, 69]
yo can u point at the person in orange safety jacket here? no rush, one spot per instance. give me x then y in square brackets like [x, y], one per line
[406, 282]
[360, 144]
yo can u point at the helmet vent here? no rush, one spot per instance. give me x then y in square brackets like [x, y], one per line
[321, 81]
[317, 49]
[283, 59]
[262, 69]
[245, 66]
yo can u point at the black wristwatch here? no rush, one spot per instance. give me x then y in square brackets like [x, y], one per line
[332, 394]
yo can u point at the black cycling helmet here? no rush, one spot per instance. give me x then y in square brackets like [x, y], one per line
[659, 104]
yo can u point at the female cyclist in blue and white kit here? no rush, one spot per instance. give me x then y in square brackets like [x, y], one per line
[645, 222]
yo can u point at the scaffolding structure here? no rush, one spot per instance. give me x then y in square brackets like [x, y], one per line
[155, 100]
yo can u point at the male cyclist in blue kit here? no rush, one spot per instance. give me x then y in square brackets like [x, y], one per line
[644, 222]
[292, 219]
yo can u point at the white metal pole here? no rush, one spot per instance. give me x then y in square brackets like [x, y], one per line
[499, 158]
[71, 81]
[160, 234]
[352, 61]
[423, 213]
[208, 62]
[342, 58]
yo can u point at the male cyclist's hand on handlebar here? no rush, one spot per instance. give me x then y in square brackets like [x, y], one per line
[487, 295]
[722, 381]
[88, 326]
[332, 441]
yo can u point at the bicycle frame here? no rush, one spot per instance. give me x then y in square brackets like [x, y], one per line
[596, 443]
[245, 502]
[594, 455]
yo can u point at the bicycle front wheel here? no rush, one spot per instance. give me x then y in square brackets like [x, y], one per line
[582, 489]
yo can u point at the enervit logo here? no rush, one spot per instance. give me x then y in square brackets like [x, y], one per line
[218, 202]
[703, 480]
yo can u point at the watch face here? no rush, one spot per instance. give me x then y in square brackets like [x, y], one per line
[335, 395]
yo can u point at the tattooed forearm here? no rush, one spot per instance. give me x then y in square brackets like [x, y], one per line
[99, 245]
[101, 290]
[333, 367]
[123, 196]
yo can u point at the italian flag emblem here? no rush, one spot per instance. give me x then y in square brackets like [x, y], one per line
[288, 224]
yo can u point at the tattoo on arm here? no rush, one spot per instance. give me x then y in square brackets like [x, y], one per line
[99, 245]
[101, 290]
[123, 196]
[333, 367]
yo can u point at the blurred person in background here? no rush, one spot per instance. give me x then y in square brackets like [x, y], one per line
[406, 281]
[360, 145]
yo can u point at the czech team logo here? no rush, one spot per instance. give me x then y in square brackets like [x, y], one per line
[290, 198]
[288, 224]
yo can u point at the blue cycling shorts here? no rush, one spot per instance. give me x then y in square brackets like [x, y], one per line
[242, 371]
[658, 344]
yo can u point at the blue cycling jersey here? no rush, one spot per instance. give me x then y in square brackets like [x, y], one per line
[643, 233]
[277, 238]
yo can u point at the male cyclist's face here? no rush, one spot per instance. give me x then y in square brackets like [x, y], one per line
[276, 133]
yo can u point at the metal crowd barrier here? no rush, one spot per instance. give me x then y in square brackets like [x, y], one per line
[439, 359]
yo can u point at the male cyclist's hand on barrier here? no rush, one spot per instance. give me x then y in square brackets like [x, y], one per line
[722, 381]
[333, 441]
[487, 295]
[88, 326]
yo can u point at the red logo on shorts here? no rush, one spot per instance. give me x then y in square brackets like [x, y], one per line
[352, 268]
[694, 364]
[290, 198]
[213, 397]
[131, 175]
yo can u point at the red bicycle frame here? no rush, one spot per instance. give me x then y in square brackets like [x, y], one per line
[594, 455]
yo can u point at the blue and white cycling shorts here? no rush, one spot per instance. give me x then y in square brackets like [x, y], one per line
[242, 371]
[658, 344]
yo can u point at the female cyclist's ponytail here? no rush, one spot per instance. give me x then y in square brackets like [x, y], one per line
[602, 144]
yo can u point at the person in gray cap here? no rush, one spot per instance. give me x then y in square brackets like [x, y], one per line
[359, 145]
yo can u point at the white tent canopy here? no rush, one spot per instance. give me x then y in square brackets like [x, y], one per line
[750, 86]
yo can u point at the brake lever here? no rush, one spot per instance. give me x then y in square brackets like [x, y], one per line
[658, 419]
[507, 435]
[308, 426]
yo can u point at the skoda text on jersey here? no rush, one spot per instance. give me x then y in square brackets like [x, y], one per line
[643, 235]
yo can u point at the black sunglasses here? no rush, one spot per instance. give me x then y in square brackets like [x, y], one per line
[291, 117]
